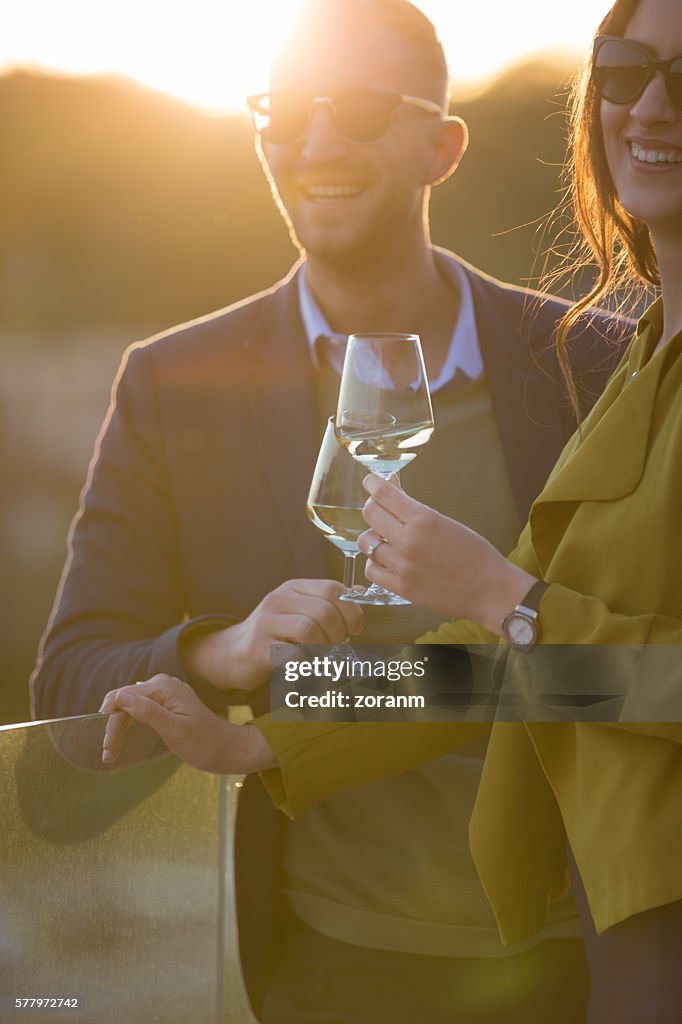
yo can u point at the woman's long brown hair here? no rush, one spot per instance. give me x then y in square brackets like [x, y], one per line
[608, 237]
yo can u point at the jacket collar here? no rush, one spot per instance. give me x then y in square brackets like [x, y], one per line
[619, 423]
[609, 460]
[285, 421]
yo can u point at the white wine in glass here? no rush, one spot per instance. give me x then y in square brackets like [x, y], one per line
[384, 415]
[336, 499]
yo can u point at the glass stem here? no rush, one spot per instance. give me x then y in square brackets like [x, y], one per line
[349, 568]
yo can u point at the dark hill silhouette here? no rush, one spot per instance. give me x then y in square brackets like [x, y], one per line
[122, 206]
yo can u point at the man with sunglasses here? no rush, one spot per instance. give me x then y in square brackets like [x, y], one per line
[192, 551]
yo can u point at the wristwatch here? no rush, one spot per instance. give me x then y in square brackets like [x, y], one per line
[521, 628]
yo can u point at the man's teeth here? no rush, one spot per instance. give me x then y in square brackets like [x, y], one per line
[656, 156]
[332, 191]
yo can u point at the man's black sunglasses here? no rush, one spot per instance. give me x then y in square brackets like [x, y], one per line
[622, 70]
[361, 115]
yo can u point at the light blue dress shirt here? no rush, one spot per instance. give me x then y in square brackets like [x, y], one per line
[463, 355]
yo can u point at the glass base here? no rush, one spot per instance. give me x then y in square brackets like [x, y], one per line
[374, 595]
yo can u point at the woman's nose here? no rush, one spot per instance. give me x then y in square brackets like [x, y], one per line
[654, 105]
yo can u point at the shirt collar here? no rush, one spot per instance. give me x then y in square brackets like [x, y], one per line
[464, 353]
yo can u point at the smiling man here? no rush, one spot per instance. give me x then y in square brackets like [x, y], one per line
[191, 553]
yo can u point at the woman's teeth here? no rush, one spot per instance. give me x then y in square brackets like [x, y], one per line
[655, 156]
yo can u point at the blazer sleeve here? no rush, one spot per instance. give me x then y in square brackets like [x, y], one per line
[119, 610]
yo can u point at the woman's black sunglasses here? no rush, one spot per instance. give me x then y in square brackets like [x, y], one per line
[360, 115]
[622, 70]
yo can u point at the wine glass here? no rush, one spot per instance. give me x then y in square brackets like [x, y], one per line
[336, 499]
[384, 415]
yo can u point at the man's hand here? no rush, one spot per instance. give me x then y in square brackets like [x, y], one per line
[435, 561]
[188, 728]
[297, 612]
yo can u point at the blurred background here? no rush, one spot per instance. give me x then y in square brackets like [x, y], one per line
[131, 199]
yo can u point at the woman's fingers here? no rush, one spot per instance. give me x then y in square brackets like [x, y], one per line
[377, 548]
[144, 702]
[114, 735]
[390, 496]
[189, 729]
[383, 522]
[382, 576]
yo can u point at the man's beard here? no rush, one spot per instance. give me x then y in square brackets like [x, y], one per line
[359, 255]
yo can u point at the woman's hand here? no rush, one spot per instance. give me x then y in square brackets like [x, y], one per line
[435, 561]
[297, 612]
[188, 728]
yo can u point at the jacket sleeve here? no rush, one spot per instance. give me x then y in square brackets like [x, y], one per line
[626, 670]
[120, 607]
[317, 760]
[630, 666]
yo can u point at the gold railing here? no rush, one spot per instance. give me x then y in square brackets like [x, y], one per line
[115, 886]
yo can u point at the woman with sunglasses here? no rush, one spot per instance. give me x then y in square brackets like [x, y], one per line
[597, 567]
[599, 564]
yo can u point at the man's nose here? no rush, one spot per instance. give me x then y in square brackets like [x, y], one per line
[654, 105]
[323, 140]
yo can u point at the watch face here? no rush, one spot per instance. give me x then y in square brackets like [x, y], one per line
[520, 631]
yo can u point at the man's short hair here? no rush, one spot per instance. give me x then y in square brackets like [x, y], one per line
[400, 16]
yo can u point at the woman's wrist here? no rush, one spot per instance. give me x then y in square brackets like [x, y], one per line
[505, 590]
[243, 750]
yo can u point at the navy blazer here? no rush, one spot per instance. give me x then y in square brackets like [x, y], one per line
[194, 505]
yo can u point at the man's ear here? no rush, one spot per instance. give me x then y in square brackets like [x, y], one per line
[449, 145]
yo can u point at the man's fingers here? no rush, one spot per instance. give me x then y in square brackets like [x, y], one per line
[299, 628]
[320, 619]
[320, 600]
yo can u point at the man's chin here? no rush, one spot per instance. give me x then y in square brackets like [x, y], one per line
[337, 259]
[338, 251]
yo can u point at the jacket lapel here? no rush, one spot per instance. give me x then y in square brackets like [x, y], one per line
[619, 425]
[285, 422]
[524, 394]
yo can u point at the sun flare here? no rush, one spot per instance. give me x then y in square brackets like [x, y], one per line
[213, 53]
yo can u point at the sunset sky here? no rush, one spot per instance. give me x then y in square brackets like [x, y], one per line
[214, 52]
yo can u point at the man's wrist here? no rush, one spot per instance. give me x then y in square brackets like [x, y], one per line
[204, 652]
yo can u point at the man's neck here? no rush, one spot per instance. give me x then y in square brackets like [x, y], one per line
[409, 295]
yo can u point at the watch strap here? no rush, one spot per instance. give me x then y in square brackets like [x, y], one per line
[531, 601]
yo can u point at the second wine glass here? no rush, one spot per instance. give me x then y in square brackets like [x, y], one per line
[336, 499]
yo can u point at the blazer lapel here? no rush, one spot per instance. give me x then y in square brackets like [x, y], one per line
[285, 421]
[524, 395]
